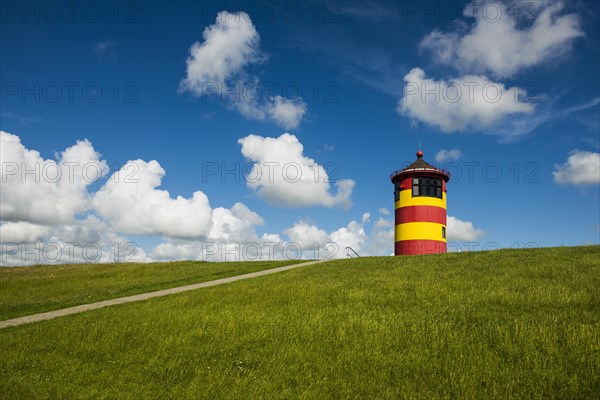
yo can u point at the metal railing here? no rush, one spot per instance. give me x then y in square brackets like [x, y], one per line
[348, 254]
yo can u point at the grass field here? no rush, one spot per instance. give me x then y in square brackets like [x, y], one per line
[502, 324]
[30, 290]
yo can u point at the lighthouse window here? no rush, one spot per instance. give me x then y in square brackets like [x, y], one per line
[443, 232]
[424, 186]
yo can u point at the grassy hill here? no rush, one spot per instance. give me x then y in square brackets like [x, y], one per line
[30, 290]
[500, 324]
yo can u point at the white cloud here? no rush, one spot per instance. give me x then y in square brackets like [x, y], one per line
[306, 235]
[305, 240]
[131, 201]
[445, 155]
[234, 225]
[499, 43]
[286, 112]
[168, 251]
[314, 240]
[459, 230]
[88, 240]
[353, 235]
[22, 232]
[229, 45]
[469, 102]
[284, 176]
[42, 221]
[581, 168]
[247, 247]
[381, 240]
[93, 240]
[232, 237]
[217, 66]
[88, 230]
[40, 191]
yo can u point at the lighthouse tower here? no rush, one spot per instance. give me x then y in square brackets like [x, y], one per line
[420, 208]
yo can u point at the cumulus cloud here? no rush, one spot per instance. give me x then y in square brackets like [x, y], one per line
[266, 247]
[582, 168]
[131, 200]
[284, 176]
[22, 232]
[189, 250]
[306, 240]
[501, 44]
[88, 240]
[468, 102]
[229, 45]
[42, 191]
[237, 224]
[447, 155]
[286, 112]
[365, 239]
[381, 240]
[306, 235]
[460, 231]
[353, 235]
[217, 66]
[302, 240]
[232, 237]
[317, 242]
[43, 206]
[91, 239]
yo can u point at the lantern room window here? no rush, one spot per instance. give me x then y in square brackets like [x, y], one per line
[425, 186]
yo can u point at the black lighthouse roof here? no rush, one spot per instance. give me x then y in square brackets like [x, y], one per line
[420, 166]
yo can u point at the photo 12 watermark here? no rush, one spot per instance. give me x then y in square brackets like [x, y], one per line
[518, 172]
[66, 172]
[267, 251]
[494, 11]
[69, 92]
[268, 171]
[55, 252]
[469, 92]
[68, 11]
[259, 92]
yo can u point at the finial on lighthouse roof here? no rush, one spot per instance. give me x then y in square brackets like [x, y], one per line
[419, 154]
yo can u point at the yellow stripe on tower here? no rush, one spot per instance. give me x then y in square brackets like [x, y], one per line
[406, 199]
[419, 231]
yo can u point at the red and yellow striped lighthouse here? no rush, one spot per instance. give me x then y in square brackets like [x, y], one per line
[420, 208]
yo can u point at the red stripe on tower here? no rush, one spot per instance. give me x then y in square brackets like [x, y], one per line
[421, 214]
[413, 247]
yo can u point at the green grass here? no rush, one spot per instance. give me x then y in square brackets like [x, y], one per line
[502, 324]
[30, 290]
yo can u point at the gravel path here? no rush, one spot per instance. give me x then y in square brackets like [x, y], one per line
[143, 296]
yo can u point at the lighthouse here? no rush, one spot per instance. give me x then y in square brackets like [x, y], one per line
[420, 208]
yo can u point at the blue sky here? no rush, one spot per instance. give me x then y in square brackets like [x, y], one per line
[503, 94]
